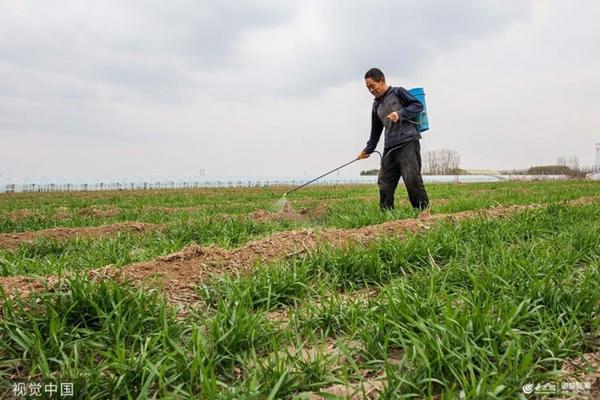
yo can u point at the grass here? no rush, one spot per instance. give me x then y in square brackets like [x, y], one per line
[208, 226]
[46, 256]
[347, 203]
[472, 310]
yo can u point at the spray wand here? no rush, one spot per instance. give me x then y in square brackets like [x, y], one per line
[319, 177]
[342, 166]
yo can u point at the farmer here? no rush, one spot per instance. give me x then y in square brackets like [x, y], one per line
[394, 108]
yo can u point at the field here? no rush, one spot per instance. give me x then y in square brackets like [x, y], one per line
[221, 293]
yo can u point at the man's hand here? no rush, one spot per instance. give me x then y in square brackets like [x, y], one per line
[363, 154]
[393, 116]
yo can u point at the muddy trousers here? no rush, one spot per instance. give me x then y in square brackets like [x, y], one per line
[405, 163]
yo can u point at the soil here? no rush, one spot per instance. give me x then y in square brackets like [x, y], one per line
[288, 213]
[584, 370]
[177, 274]
[371, 387]
[11, 241]
[20, 214]
[171, 210]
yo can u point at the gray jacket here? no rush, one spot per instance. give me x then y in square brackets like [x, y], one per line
[396, 133]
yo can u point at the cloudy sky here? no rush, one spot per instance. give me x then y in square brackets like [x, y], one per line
[130, 88]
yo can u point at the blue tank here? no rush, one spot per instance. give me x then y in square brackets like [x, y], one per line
[422, 119]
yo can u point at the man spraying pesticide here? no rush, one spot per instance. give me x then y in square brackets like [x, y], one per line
[395, 109]
[404, 118]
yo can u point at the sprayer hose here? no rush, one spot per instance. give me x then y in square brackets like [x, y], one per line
[382, 157]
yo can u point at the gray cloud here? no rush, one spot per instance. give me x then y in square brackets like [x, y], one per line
[148, 46]
[163, 49]
[195, 80]
[399, 37]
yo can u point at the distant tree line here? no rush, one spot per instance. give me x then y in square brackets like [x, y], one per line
[564, 166]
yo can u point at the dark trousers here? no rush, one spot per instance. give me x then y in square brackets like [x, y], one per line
[405, 163]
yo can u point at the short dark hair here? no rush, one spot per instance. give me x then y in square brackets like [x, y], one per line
[376, 74]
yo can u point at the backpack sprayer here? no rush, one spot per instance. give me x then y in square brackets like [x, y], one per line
[421, 121]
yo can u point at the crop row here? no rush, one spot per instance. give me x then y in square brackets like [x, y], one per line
[474, 310]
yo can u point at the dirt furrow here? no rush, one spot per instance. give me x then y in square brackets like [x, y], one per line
[12, 241]
[106, 211]
[177, 274]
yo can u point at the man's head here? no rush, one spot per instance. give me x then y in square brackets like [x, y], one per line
[375, 81]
